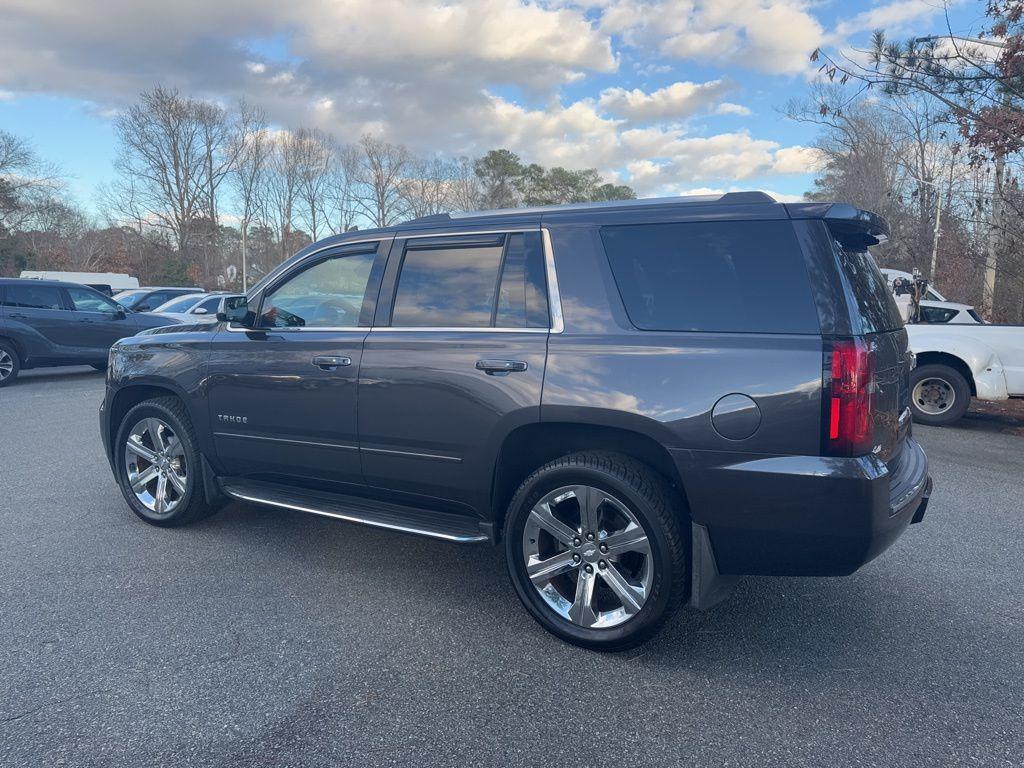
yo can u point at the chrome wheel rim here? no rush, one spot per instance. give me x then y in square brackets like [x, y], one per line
[934, 396]
[6, 364]
[588, 556]
[155, 462]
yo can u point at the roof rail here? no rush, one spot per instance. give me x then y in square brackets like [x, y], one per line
[727, 198]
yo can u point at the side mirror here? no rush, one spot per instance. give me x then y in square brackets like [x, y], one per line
[201, 311]
[120, 313]
[235, 309]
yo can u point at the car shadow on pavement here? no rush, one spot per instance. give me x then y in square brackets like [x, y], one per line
[880, 622]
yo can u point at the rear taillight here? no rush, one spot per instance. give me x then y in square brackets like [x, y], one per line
[847, 421]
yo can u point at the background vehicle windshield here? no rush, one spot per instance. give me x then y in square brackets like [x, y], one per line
[129, 298]
[181, 304]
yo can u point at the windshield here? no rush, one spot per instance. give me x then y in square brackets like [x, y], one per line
[180, 304]
[128, 298]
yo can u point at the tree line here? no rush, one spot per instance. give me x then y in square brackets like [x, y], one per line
[217, 196]
[929, 132]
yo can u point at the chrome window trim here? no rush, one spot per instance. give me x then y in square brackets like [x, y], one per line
[295, 329]
[556, 320]
[554, 297]
[452, 329]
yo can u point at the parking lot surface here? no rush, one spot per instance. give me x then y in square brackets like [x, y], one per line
[264, 637]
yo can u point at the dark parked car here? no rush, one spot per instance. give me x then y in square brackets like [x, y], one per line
[148, 299]
[48, 323]
[642, 400]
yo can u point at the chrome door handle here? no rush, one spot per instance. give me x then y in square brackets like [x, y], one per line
[330, 362]
[501, 367]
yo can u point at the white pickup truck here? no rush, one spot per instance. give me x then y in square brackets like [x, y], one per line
[957, 362]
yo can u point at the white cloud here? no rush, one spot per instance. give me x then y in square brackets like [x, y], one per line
[728, 108]
[428, 74]
[774, 36]
[672, 102]
[797, 160]
[894, 17]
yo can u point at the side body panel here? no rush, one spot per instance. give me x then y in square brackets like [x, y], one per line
[431, 423]
[273, 412]
[993, 353]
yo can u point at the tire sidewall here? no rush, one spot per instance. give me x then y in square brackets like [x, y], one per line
[649, 617]
[956, 381]
[10, 350]
[192, 458]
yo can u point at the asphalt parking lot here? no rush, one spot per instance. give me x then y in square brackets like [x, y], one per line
[262, 637]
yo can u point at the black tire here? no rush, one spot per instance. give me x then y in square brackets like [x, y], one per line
[657, 508]
[192, 504]
[9, 357]
[951, 378]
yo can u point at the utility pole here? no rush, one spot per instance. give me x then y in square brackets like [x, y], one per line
[995, 240]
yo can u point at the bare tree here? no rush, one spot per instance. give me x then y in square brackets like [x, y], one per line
[251, 148]
[341, 206]
[429, 186]
[379, 174]
[282, 187]
[28, 184]
[162, 162]
[316, 158]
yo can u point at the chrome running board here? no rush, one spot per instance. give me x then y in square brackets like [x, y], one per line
[355, 509]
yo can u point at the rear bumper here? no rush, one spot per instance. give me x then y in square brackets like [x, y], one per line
[803, 515]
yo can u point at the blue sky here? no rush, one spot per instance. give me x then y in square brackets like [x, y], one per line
[670, 96]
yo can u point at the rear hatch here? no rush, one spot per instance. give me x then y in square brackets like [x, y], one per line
[876, 319]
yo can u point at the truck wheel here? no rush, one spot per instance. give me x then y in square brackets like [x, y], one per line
[596, 549]
[158, 464]
[9, 364]
[939, 394]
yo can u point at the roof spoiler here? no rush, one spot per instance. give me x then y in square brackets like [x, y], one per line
[853, 227]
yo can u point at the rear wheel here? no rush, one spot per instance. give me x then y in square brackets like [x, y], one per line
[10, 365]
[939, 394]
[596, 549]
[158, 464]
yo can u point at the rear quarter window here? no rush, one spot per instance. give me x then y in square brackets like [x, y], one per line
[872, 295]
[734, 276]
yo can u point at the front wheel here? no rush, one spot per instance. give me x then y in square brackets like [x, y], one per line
[596, 549]
[939, 394]
[10, 364]
[158, 464]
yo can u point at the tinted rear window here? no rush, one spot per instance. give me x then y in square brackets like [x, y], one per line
[736, 276]
[27, 296]
[875, 302]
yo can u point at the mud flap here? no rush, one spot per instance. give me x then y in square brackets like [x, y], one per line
[707, 586]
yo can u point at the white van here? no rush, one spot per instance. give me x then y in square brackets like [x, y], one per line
[107, 282]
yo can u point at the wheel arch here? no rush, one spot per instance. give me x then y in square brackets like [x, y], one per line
[951, 361]
[19, 348]
[532, 445]
[129, 396]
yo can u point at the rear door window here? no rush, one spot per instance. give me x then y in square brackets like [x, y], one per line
[33, 297]
[472, 285]
[735, 276]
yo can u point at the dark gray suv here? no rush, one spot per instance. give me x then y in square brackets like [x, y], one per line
[642, 400]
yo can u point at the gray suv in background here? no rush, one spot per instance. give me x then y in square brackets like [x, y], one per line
[641, 401]
[45, 323]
